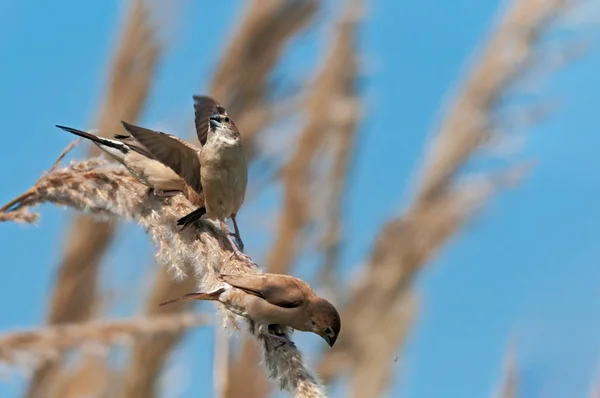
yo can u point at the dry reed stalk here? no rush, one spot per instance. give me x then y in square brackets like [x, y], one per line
[250, 380]
[103, 190]
[343, 152]
[23, 215]
[509, 387]
[241, 82]
[51, 341]
[595, 384]
[367, 380]
[442, 207]
[400, 249]
[329, 86]
[344, 130]
[88, 377]
[221, 363]
[130, 79]
[508, 54]
[19, 217]
[333, 86]
[148, 356]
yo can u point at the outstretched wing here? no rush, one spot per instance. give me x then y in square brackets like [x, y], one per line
[204, 108]
[168, 150]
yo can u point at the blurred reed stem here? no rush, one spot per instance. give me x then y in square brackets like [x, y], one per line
[75, 291]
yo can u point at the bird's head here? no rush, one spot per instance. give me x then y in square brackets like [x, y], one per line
[221, 125]
[325, 321]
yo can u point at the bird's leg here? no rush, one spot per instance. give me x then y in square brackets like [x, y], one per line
[237, 232]
[278, 333]
[284, 340]
[234, 248]
[216, 231]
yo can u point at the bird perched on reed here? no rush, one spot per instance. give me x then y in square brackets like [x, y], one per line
[219, 169]
[274, 299]
[143, 166]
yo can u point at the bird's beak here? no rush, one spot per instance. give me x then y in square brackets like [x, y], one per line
[330, 340]
[215, 120]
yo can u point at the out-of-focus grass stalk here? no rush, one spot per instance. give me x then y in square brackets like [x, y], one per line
[75, 291]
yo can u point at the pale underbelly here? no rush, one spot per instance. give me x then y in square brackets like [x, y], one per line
[224, 192]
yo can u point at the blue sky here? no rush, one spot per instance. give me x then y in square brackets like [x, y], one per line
[525, 270]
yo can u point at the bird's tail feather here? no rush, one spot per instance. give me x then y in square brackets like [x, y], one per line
[192, 217]
[196, 296]
[100, 141]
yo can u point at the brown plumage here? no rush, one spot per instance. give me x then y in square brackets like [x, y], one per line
[141, 163]
[219, 169]
[274, 299]
[178, 155]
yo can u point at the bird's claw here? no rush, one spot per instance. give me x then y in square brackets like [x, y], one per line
[237, 252]
[242, 257]
[238, 241]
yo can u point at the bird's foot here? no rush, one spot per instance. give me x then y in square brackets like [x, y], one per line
[242, 257]
[282, 340]
[237, 252]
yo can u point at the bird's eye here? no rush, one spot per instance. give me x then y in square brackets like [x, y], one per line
[226, 119]
[329, 332]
